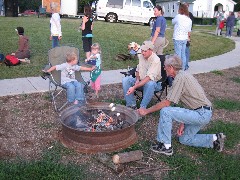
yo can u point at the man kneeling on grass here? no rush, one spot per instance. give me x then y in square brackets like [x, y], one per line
[185, 88]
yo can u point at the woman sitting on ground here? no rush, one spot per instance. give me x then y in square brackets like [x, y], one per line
[23, 52]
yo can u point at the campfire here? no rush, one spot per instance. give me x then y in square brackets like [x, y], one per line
[98, 127]
[98, 120]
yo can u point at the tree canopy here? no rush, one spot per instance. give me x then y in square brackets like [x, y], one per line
[34, 4]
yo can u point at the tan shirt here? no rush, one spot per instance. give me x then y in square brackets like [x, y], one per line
[150, 67]
[185, 88]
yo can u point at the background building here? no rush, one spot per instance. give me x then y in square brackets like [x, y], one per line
[199, 8]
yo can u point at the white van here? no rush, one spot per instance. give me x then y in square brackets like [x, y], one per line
[125, 10]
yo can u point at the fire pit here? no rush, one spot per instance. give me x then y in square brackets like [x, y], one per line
[98, 127]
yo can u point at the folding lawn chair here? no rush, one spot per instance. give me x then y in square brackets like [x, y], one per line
[165, 82]
[57, 92]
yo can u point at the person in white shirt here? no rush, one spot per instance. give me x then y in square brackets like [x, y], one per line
[182, 31]
[55, 26]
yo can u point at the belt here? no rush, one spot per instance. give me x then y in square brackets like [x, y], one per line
[204, 107]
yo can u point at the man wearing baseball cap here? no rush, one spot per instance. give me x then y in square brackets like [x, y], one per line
[148, 72]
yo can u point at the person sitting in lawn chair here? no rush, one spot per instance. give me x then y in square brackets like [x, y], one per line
[148, 72]
[75, 89]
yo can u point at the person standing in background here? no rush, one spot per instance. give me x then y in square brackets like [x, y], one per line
[188, 42]
[87, 27]
[158, 31]
[1, 8]
[182, 31]
[55, 26]
[218, 21]
[230, 24]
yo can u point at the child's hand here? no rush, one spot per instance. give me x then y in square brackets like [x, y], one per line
[86, 60]
[92, 68]
[85, 19]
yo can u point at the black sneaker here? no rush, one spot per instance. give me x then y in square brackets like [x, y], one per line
[160, 148]
[219, 143]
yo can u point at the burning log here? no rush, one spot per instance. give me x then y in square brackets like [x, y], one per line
[127, 157]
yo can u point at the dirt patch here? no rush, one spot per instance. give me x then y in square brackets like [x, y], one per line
[29, 125]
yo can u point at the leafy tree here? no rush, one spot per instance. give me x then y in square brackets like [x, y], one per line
[237, 6]
[154, 2]
[29, 4]
[82, 3]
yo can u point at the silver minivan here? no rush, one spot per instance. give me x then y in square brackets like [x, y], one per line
[125, 10]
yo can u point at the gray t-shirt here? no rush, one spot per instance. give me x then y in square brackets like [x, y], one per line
[67, 72]
[186, 89]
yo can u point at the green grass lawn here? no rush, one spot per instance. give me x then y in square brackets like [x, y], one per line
[113, 39]
[186, 163]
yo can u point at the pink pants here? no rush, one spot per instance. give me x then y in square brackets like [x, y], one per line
[96, 85]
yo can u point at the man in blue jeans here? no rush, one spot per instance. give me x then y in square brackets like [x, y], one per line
[185, 88]
[148, 72]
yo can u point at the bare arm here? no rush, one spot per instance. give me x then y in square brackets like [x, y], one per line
[51, 69]
[84, 20]
[93, 57]
[157, 31]
[189, 36]
[137, 76]
[87, 68]
[92, 26]
[157, 107]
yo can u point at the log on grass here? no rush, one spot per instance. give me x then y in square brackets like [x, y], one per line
[127, 157]
[107, 162]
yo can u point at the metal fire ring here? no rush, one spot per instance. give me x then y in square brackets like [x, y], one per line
[94, 142]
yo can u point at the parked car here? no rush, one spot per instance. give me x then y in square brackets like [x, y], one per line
[125, 10]
[29, 12]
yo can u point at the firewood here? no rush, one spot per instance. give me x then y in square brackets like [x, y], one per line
[147, 170]
[106, 161]
[127, 157]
